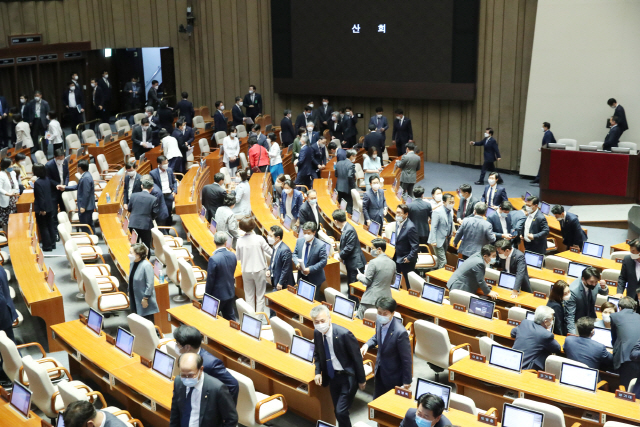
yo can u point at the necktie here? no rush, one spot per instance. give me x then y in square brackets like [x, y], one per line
[491, 196]
[378, 122]
[327, 354]
[306, 253]
[591, 309]
[185, 414]
[378, 198]
[464, 208]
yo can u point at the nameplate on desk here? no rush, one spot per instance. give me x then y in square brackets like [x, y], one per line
[513, 322]
[488, 419]
[459, 307]
[490, 281]
[329, 306]
[111, 340]
[539, 295]
[403, 392]
[386, 239]
[292, 290]
[234, 325]
[611, 283]
[546, 376]
[145, 362]
[282, 347]
[477, 357]
[559, 271]
[4, 394]
[414, 293]
[369, 323]
[82, 318]
[574, 250]
[619, 260]
[625, 395]
[449, 268]
[196, 304]
[598, 308]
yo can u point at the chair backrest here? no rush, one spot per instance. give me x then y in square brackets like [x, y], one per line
[123, 124]
[105, 129]
[457, 296]
[73, 142]
[91, 289]
[137, 118]
[539, 285]
[462, 403]
[198, 122]
[11, 361]
[243, 308]
[171, 261]
[70, 394]
[187, 279]
[40, 157]
[631, 145]
[69, 202]
[610, 274]
[89, 136]
[553, 416]
[619, 255]
[359, 172]
[357, 204]
[204, 146]
[125, 149]
[485, 344]
[157, 238]
[172, 350]
[247, 400]
[220, 135]
[242, 131]
[146, 340]
[598, 144]
[102, 163]
[227, 176]
[28, 164]
[40, 384]
[389, 229]
[78, 265]
[330, 295]
[492, 274]
[552, 261]
[415, 281]
[553, 364]
[601, 299]
[282, 331]
[517, 313]
[568, 142]
[432, 343]
[243, 161]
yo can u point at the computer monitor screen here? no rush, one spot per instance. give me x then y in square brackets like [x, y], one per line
[392, 241]
[355, 216]
[210, 305]
[592, 249]
[603, 336]
[251, 326]
[343, 204]
[397, 282]
[460, 261]
[94, 321]
[124, 341]
[575, 269]
[287, 222]
[578, 376]
[507, 358]
[212, 226]
[614, 301]
[302, 348]
[334, 196]
[275, 210]
[545, 208]
[163, 363]
[374, 228]
[344, 307]
[533, 259]
[433, 293]
[490, 211]
[530, 315]
[399, 193]
[157, 267]
[515, 416]
[203, 212]
[327, 248]
[21, 398]
[481, 307]
[425, 386]
[507, 280]
[306, 290]
[60, 421]
[323, 424]
[408, 200]
[527, 195]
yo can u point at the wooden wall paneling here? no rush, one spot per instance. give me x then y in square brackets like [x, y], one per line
[242, 43]
[84, 30]
[34, 20]
[162, 22]
[235, 56]
[120, 30]
[72, 20]
[227, 91]
[61, 21]
[264, 8]
[515, 119]
[496, 73]
[177, 13]
[454, 131]
[443, 137]
[253, 48]
[144, 22]
[216, 58]
[432, 135]
[507, 86]
[15, 19]
[483, 97]
[527, 48]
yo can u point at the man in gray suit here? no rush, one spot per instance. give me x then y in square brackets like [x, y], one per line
[582, 301]
[410, 165]
[350, 251]
[535, 339]
[467, 202]
[310, 256]
[143, 209]
[80, 412]
[475, 232]
[346, 175]
[441, 229]
[625, 333]
[378, 277]
[470, 276]
[512, 261]
[420, 214]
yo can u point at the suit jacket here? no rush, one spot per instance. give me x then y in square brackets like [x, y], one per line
[173, 184]
[517, 266]
[137, 186]
[622, 118]
[183, 139]
[410, 165]
[186, 110]
[86, 198]
[237, 115]
[440, 233]
[136, 138]
[287, 133]
[402, 133]
[407, 242]
[219, 122]
[281, 267]
[98, 98]
[496, 225]
[111, 420]
[212, 199]
[65, 98]
[491, 150]
[106, 89]
[305, 214]
[394, 359]
[302, 120]
[345, 172]
[257, 104]
[341, 154]
[335, 128]
[380, 274]
[382, 123]
[409, 420]
[307, 164]
[350, 250]
[576, 307]
[346, 350]
[295, 204]
[163, 211]
[613, 138]
[560, 320]
[44, 198]
[54, 175]
[628, 278]
[221, 282]
[216, 369]
[625, 334]
[535, 342]
[475, 232]
[420, 213]
[465, 208]
[540, 230]
[165, 116]
[349, 129]
[152, 97]
[373, 207]
[548, 138]
[143, 208]
[8, 312]
[374, 139]
[5, 106]
[316, 259]
[30, 113]
[217, 407]
[499, 196]
[572, 232]
[324, 116]
[470, 276]
[134, 97]
[587, 351]
[142, 287]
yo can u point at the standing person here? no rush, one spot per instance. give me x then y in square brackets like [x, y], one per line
[4, 119]
[8, 313]
[171, 150]
[310, 257]
[280, 271]
[163, 177]
[467, 202]
[491, 153]
[99, 101]
[258, 156]
[374, 139]
[185, 136]
[338, 362]
[236, 112]
[307, 164]
[324, 114]
[501, 223]
[306, 117]
[420, 214]
[585, 350]
[613, 136]
[559, 295]
[250, 251]
[512, 261]
[429, 413]
[143, 210]
[619, 113]
[350, 251]
[629, 272]
[132, 183]
[584, 291]
[185, 108]
[287, 132]
[142, 293]
[378, 277]
[36, 113]
[44, 205]
[407, 242]
[436, 197]
[54, 134]
[165, 117]
[231, 148]
[23, 132]
[132, 90]
[243, 194]
[374, 204]
[402, 132]
[394, 361]
[349, 129]
[105, 85]
[475, 232]
[226, 219]
[9, 192]
[86, 200]
[297, 145]
[219, 119]
[309, 211]
[253, 103]
[625, 333]
[410, 165]
[494, 194]
[291, 201]
[469, 276]
[213, 195]
[547, 138]
[21, 171]
[152, 95]
[260, 137]
[335, 127]
[80, 412]
[141, 138]
[371, 165]
[535, 229]
[221, 282]
[73, 103]
[442, 229]
[573, 236]
[345, 171]
[58, 173]
[381, 124]
[275, 158]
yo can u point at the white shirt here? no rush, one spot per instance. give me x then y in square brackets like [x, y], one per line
[491, 194]
[54, 132]
[334, 360]
[131, 182]
[170, 147]
[503, 223]
[231, 148]
[38, 103]
[288, 203]
[274, 154]
[638, 270]
[72, 99]
[196, 397]
[61, 172]
[106, 81]
[527, 226]
[314, 209]
[164, 180]
[507, 263]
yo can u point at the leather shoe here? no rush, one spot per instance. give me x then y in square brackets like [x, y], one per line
[478, 183]
[57, 238]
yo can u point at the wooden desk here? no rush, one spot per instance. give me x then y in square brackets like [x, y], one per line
[40, 300]
[388, 171]
[188, 197]
[599, 263]
[389, 410]
[620, 247]
[472, 377]
[11, 418]
[271, 370]
[116, 374]
[111, 150]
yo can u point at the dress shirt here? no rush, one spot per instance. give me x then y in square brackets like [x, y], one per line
[253, 98]
[503, 223]
[164, 179]
[287, 204]
[60, 172]
[196, 397]
[131, 181]
[491, 195]
[72, 99]
[273, 256]
[507, 263]
[106, 81]
[401, 120]
[38, 109]
[527, 225]
[314, 209]
[144, 136]
[334, 360]
[274, 154]
[637, 270]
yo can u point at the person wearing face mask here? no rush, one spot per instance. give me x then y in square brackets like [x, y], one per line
[133, 91]
[309, 210]
[625, 335]
[43, 207]
[547, 138]
[512, 261]
[153, 100]
[371, 165]
[165, 117]
[287, 132]
[105, 84]
[313, 136]
[143, 210]
[185, 108]
[171, 150]
[494, 194]
[36, 114]
[320, 153]
[402, 132]
[381, 124]
[420, 212]
[258, 155]
[291, 201]
[585, 350]
[491, 153]
[297, 145]
[618, 111]
[200, 399]
[345, 172]
[231, 147]
[256, 130]
[237, 114]
[559, 295]
[324, 113]
[501, 224]
[442, 229]
[474, 232]
[307, 164]
[469, 276]
[407, 242]
[98, 101]
[225, 218]
[584, 291]
[141, 138]
[252, 103]
[535, 339]
[374, 203]
[21, 171]
[335, 127]
[436, 197]
[310, 257]
[58, 173]
[251, 251]
[243, 194]
[82, 413]
[607, 309]
[275, 158]
[54, 133]
[535, 229]
[305, 118]
[221, 283]
[86, 200]
[374, 139]
[213, 195]
[142, 294]
[573, 236]
[73, 102]
[349, 129]
[350, 251]
[219, 119]
[338, 362]
[613, 136]
[278, 188]
[409, 165]
[428, 413]
[467, 202]
[163, 177]
[185, 137]
[132, 183]
[4, 119]
[630, 272]
[280, 271]
[378, 277]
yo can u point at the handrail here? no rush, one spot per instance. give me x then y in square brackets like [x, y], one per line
[86, 123]
[137, 110]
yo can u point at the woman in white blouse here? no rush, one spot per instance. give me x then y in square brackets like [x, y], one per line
[9, 192]
[250, 251]
[54, 132]
[231, 147]
[243, 194]
[436, 198]
[23, 132]
[275, 159]
[171, 151]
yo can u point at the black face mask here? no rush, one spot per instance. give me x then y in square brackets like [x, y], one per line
[589, 286]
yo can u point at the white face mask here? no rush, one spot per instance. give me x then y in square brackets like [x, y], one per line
[310, 129]
[529, 209]
[383, 320]
[606, 317]
[72, 88]
[634, 256]
[450, 206]
[288, 190]
[233, 134]
[375, 187]
[325, 103]
[22, 162]
[221, 107]
[566, 297]
[399, 218]
[544, 130]
[240, 103]
[165, 166]
[60, 162]
[250, 91]
[492, 181]
[379, 116]
[22, 100]
[310, 105]
[271, 240]
[334, 118]
[308, 237]
[144, 128]
[322, 327]
[75, 78]
[132, 258]
[374, 156]
[313, 202]
[132, 173]
[486, 135]
[37, 98]
[106, 76]
[93, 85]
[437, 198]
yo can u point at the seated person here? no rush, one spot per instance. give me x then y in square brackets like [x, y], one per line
[428, 413]
[535, 339]
[585, 350]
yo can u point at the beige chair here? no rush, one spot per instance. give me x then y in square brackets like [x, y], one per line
[12, 361]
[219, 136]
[598, 144]
[619, 255]
[191, 287]
[107, 171]
[539, 285]
[610, 274]
[466, 404]
[553, 416]
[100, 272]
[72, 208]
[571, 144]
[73, 143]
[389, 229]
[170, 256]
[159, 239]
[360, 183]
[330, 295]
[41, 157]
[28, 166]
[205, 150]
[137, 118]
[517, 313]
[89, 252]
[227, 176]
[601, 299]
[123, 124]
[146, 334]
[415, 281]
[426, 258]
[372, 314]
[102, 303]
[98, 181]
[126, 151]
[89, 137]
[433, 346]
[457, 296]
[492, 274]
[485, 344]
[243, 161]
[255, 408]
[198, 122]
[105, 130]
[632, 146]
[552, 261]
[242, 131]
[244, 308]
[81, 238]
[357, 203]
[283, 332]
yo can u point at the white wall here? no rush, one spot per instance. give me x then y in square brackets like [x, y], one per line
[584, 52]
[151, 62]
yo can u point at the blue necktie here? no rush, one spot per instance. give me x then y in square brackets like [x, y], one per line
[306, 254]
[185, 415]
[327, 354]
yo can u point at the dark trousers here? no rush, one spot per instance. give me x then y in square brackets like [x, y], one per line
[627, 372]
[144, 236]
[352, 275]
[383, 385]
[168, 200]
[405, 268]
[349, 142]
[87, 218]
[423, 239]
[401, 147]
[486, 166]
[47, 230]
[305, 180]
[75, 118]
[408, 188]
[4, 136]
[343, 389]
[348, 198]
[227, 309]
[37, 130]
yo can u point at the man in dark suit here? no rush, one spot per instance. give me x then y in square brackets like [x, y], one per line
[86, 199]
[535, 339]
[105, 85]
[402, 132]
[219, 120]
[287, 132]
[280, 269]
[501, 222]
[309, 211]
[582, 301]
[237, 114]
[350, 251]
[341, 154]
[305, 117]
[585, 350]
[213, 195]
[4, 122]
[324, 114]
[628, 273]
[8, 313]
[185, 109]
[80, 412]
[73, 104]
[407, 242]
[512, 261]
[217, 407]
[143, 210]
[185, 137]
[338, 362]
[374, 139]
[256, 130]
[133, 90]
[221, 282]
[625, 333]
[467, 202]
[141, 138]
[153, 100]
[428, 413]
[58, 173]
[313, 136]
[619, 113]
[36, 115]
[491, 153]
[189, 340]
[132, 183]
[307, 164]
[573, 236]
[374, 204]
[534, 229]
[345, 172]
[252, 103]
[469, 276]
[547, 138]
[335, 127]
[381, 124]
[395, 359]
[163, 213]
[494, 194]
[420, 214]
[349, 130]
[613, 136]
[165, 179]
[98, 101]
[410, 164]
[310, 257]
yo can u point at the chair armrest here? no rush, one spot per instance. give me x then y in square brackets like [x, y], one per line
[410, 330]
[166, 227]
[496, 314]
[297, 332]
[603, 385]
[122, 307]
[99, 396]
[576, 424]
[121, 412]
[265, 316]
[429, 251]
[83, 225]
[136, 422]
[159, 331]
[370, 363]
[270, 417]
[53, 401]
[165, 343]
[82, 233]
[181, 175]
[490, 412]
[453, 349]
[60, 368]
[33, 344]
